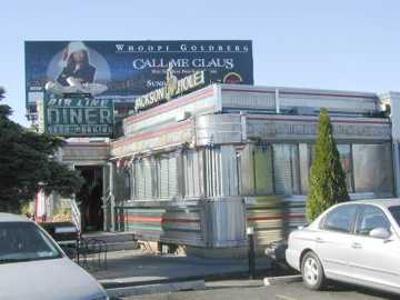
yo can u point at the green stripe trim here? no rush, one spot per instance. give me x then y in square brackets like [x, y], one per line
[145, 227]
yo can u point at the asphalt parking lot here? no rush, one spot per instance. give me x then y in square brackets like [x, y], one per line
[296, 291]
[277, 291]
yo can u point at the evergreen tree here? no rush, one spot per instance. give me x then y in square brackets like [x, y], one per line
[26, 162]
[327, 181]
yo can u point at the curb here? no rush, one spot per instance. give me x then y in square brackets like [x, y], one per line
[235, 283]
[156, 288]
[268, 281]
[130, 282]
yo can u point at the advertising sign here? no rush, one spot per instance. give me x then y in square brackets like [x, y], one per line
[124, 70]
[171, 89]
[78, 116]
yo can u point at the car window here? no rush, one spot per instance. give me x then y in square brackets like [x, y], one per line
[340, 218]
[371, 217]
[395, 211]
[24, 241]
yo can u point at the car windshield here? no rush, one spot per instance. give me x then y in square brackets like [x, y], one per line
[24, 241]
[395, 211]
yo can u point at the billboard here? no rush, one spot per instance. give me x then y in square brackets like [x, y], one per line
[77, 116]
[123, 70]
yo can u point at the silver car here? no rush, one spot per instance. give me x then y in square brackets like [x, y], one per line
[32, 266]
[356, 242]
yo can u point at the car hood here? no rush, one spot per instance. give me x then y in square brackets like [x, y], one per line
[56, 279]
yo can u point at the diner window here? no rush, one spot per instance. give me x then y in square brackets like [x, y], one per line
[143, 180]
[286, 168]
[191, 173]
[246, 172]
[373, 168]
[346, 161]
[163, 178]
[141, 176]
[304, 165]
[148, 187]
[262, 160]
[345, 156]
[167, 176]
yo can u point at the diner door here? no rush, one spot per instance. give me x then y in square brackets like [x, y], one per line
[90, 198]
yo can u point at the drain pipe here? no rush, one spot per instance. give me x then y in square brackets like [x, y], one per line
[277, 101]
[111, 195]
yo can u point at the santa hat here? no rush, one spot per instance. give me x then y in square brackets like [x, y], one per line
[71, 48]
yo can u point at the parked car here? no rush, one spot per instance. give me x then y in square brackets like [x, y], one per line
[33, 266]
[357, 242]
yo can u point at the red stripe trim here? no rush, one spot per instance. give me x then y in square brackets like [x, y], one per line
[181, 220]
[283, 92]
[152, 134]
[159, 219]
[329, 94]
[170, 105]
[247, 91]
[315, 120]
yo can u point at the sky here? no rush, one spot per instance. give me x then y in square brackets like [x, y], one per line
[338, 44]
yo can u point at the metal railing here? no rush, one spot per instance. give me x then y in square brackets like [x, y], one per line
[92, 254]
[76, 215]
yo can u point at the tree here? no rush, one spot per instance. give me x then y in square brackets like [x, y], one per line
[27, 163]
[327, 181]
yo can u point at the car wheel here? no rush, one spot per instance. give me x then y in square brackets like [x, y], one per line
[312, 271]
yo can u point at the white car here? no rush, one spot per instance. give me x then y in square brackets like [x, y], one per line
[356, 242]
[32, 266]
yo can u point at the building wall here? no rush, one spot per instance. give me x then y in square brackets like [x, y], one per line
[221, 98]
[296, 100]
[202, 167]
[252, 154]
[252, 170]
[392, 100]
[284, 168]
[85, 152]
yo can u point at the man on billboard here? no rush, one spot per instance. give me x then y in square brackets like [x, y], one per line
[77, 75]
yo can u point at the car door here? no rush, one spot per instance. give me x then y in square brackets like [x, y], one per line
[375, 261]
[334, 240]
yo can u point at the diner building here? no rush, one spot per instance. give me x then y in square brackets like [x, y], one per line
[201, 168]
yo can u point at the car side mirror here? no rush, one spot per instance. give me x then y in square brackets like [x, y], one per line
[380, 233]
[301, 227]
